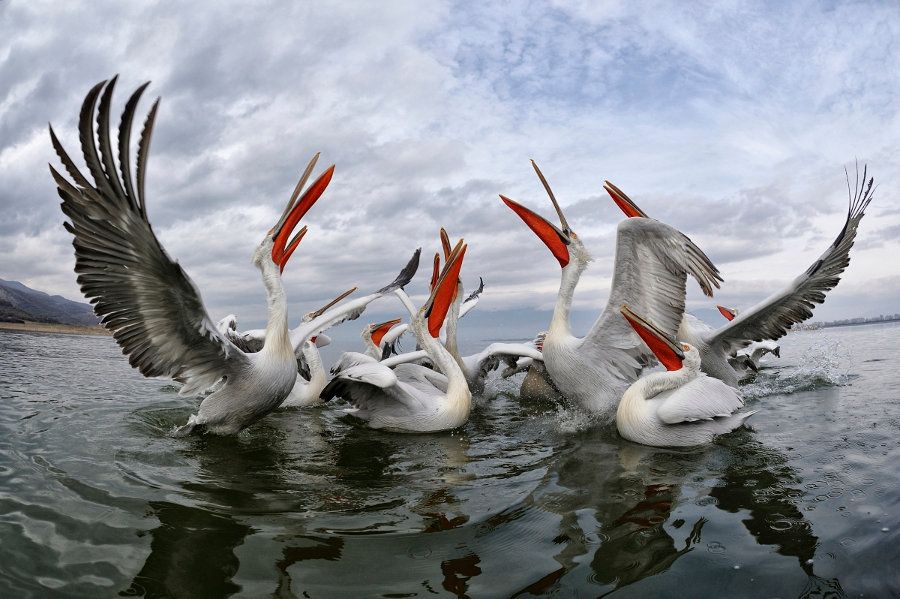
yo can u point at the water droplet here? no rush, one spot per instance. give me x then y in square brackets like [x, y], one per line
[782, 524]
[715, 547]
[419, 552]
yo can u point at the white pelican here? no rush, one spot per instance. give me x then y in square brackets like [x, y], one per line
[774, 316]
[374, 334]
[152, 307]
[476, 366]
[651, 265]
[390, 338]
[681, 406]
[756, 350]
[305, 338]
[412, 398]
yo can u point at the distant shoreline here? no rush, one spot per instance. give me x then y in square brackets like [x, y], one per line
[54, 327]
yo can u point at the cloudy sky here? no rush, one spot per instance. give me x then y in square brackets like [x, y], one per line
[732, 121]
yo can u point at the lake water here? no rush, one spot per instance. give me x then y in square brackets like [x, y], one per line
[526, 500]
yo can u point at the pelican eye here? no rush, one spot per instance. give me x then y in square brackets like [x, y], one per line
[685, 347]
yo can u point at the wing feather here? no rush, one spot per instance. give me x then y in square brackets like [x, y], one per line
[774, 316]
[141, 295]
[651, 266]
[702, 398]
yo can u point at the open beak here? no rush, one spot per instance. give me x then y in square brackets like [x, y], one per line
[379, 330]
[296, 208]
[555, 238]
[624, 203]
[436, 271]
[728, 313]
[445, 244]
[669, 353]
[438, 303]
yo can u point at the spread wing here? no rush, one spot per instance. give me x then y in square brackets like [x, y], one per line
[489, 358]
[773, 317]
[141, 295]
[651, 266]
[374, 388]
[351, 310]
[472, 300]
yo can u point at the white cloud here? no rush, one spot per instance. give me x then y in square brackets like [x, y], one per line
[731, 121]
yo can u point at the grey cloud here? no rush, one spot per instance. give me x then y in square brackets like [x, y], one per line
[728, 124]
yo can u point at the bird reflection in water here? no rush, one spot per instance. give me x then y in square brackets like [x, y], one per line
[458, 571]
[191, 554]
[638, 545]
[758, 482]
[625, 525]
[302, 549]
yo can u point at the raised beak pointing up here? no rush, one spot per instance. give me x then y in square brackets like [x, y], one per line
[556, 239]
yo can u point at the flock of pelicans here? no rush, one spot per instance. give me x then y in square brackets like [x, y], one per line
[157, 316]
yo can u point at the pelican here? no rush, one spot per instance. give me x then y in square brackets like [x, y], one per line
[536, 384]
[374, 334]
[681, 406]
[305, 338]
[412, 398]
[475, 367]
[745, 361]
[389, 340]
[756, 350]
[771, 318]
[651, 266]
[147, 301]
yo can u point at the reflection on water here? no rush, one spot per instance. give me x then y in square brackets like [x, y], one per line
[191, 554]
[526, 500]
[761, 483]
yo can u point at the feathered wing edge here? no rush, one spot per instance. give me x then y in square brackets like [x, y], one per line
[774, 316]
[353, 309]
[141, 295]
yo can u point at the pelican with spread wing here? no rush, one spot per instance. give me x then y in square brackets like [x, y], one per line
[148, 302]
[650, 271]
[773, 317]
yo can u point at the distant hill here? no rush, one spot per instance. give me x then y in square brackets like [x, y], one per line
[20, 303]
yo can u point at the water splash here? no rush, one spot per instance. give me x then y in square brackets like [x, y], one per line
[820, 366]
[573, 419]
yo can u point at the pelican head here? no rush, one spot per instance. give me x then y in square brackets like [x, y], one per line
[728, 313]
[671, 354]
[557, 239]
[624, 203]
[376, 332]
[444, 291]
[276, 244]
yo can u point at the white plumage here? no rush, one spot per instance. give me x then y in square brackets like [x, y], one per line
[681, 406]
[410, 398]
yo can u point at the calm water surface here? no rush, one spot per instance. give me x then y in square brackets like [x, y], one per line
[526, 500]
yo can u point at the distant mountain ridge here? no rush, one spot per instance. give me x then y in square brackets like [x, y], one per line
[21, 303]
